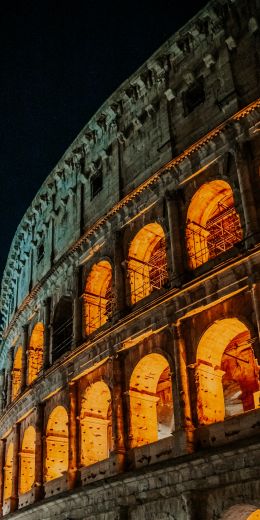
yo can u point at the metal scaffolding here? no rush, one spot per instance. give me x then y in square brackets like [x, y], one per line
[146, 277]
[98, 309]
[222, 231]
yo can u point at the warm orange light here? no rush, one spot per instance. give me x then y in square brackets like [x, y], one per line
[147, 264]
[151, 405]
[98, 296]
[27, 461]
[213, 225]
[57, 437]
[8, 472]
[95, 424]
[226, 371]
[17, 373]
[255, 515]
[35, 357]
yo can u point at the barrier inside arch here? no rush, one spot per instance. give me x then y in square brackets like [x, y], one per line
[147, 261]
[213, 224]
[57, 444]
[27, 460]
[98, 297]
[96, 424]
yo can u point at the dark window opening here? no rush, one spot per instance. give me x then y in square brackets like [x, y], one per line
[40, 253]
[96, 184]
[194, 96]
[62, 328]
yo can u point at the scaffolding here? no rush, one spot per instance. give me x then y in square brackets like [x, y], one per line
[146, 277]
[222, 231]
[98, 309]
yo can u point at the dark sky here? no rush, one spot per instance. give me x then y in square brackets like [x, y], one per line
[59, 61]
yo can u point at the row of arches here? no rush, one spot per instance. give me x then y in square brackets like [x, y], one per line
[213, 226]
[34, 361]
[227, 379]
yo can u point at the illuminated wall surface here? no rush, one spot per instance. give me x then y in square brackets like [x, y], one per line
[130, 353]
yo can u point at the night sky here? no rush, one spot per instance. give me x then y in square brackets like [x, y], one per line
[59, 61]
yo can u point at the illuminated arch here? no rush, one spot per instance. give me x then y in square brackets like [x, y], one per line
[8, 471]
[98, 301]
[151, 404]
[147, 262]
[27, 464]
[57, 444]
[17, 373]
[226, 371]
[242, 512]
[96, 434]
[213, 224]
[35, 358]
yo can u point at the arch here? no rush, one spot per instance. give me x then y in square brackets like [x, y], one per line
[27, 464]
[242, 512]
[96, 425]
[147, 261]
[57, 444]
[226, 371]
[213, 224]
[98, 299]
[8, 471]
[62, 327]
[151, 403]
[35, 357]
[17, 373]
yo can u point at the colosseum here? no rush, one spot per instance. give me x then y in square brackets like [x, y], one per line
[130, 351]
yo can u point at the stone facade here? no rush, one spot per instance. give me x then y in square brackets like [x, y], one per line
[129, 362]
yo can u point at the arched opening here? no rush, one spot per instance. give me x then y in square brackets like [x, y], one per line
[17, 373]
[8, 471]
[27, 464]
[147, 262]
[57, 444]
[226, 371]
[96, 424]
[35, 353]
[213, 224]
[242, 512]
[151, 403]
[62, 328]
[98, 299]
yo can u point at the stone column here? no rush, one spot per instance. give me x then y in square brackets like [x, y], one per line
[118, 426]
[24, 356]
[77, 309]
[10, 359]
[73, 436]
[39, 426]
[175, 238]
[182, 410]
[247, 198]
[2, 465]
[16, 469]
[119, 277]
[47, 320]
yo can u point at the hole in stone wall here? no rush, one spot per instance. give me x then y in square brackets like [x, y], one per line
[147, 262]
[151, 403]
[62, 328]
[35, 352]
[213, 224]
